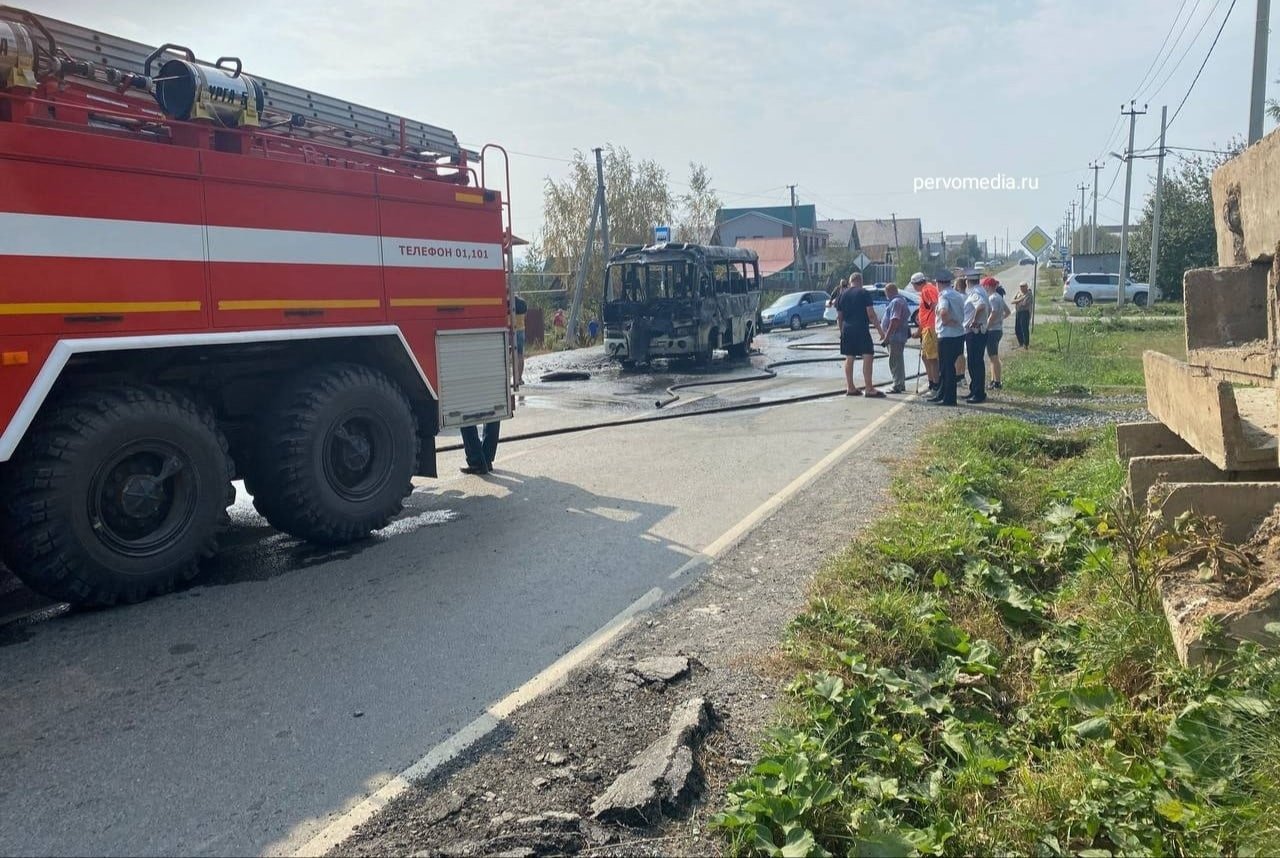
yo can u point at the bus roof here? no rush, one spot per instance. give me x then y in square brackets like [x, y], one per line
[668, 251]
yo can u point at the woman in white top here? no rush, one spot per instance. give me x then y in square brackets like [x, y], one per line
[995, 327]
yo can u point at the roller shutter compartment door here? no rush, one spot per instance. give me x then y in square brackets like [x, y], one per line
[474, 369]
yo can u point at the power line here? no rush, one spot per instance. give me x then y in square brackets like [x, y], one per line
[1194, 80]
[1174, 46]
[1115, 125]
[1187, 52]
[1163, 44]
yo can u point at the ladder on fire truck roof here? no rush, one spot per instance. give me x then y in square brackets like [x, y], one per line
[368, 130]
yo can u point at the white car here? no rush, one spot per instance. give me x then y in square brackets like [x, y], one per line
[1084, 289]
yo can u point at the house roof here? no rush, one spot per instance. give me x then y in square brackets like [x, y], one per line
[776, 254]
[806, 216]
[841, 229]
[753, 213]
[881, 231]
[876, 252]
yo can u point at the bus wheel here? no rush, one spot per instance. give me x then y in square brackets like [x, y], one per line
[116, 496]
[742, 349]
[336, 456]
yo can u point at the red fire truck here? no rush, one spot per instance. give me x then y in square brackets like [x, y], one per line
[208, 276]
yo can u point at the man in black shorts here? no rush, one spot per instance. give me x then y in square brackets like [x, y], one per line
[855, 313]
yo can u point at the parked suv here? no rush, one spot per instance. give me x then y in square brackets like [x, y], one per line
[1084, 289]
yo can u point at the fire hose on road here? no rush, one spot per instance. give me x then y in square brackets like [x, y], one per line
[765, 374]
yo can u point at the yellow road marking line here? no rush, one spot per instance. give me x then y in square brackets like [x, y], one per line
[59, 308]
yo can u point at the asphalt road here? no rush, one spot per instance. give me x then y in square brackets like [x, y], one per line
[240, 715]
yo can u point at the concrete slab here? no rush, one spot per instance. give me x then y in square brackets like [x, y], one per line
[1234, 428]
[1145, 471]
[1225, 306]
[1149, 439]
[1245, 215]
[1240, 506]
[1189, 605]
[1228, 327]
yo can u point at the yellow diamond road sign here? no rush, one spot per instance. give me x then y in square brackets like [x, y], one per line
[1037, 241]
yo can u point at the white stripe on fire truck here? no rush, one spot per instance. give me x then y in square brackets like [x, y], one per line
[103, 238]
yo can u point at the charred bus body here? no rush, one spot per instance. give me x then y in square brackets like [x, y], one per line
[680, 300]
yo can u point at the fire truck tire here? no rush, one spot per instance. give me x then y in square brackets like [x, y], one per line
[116, 496]
[337, 455]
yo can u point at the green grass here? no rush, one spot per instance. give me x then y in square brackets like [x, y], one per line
[1080, 358]
[979, 675]
[1048, 309]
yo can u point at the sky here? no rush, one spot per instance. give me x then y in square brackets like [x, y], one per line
[851, 101]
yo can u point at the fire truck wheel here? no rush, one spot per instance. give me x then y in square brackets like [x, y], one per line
[336, 456]
[116, 496]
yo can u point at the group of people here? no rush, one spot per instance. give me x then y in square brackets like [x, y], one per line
[961, 323]
[967, 320]
[590, 331]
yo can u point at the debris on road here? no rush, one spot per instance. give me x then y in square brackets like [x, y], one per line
[658, 671]
[665, 776]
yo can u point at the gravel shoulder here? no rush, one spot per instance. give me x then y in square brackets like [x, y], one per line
[529, 787]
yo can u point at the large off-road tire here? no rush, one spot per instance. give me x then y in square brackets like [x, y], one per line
[336, 455]
[115, 496]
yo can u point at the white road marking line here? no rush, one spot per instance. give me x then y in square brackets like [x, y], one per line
[345, 825]
[735, 533]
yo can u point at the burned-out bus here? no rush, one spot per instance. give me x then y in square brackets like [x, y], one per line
[680, 300]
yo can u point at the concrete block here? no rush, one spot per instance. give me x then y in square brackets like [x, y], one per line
[1149, 439]
[1240, 507]
[1234, 428]
[1246, 217]
[1225, 306]
[1146, 471]
[1189, 604]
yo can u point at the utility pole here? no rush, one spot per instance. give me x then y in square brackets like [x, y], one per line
[1093, 227]
[1082, 187]
[1155, 214]
[1258, 96]
[597, 213]
[1133, 113]
[1071, 226]
[894, 217]
[604, 207]
[795, 233]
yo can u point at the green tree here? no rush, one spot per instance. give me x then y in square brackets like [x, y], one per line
[964, 256]
[637, 196]
[910, 261]
[839, 259]
[698, 207]
[1187, 238]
